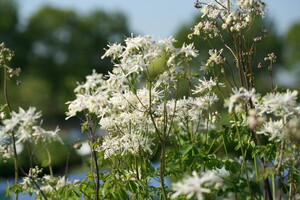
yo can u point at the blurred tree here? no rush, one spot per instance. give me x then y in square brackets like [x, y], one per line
[66, 47]
[10, 32]
[290, 75]
[8, 20]
[55, 49]
[292, 42]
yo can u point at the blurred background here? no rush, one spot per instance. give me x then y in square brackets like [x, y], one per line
[57, 43]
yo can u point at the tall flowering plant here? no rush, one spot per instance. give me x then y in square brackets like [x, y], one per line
[252, 154]
[22, 128]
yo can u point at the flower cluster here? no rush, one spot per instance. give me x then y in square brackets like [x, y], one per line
[196, 185]
[5, 150]
[280, 104]
[127, 143]
[239, 98]
[143, 112]
[273, 111]
[139, 54]
[233, 17]
[5, 56]
[215, 58]
[49, 185]
[271, 57]
[206, 85]
[28, 181]
[281, 109]
[207, 27]
[121, 105]
[89, 95]
[273, 128]
[191, 114]
[25, 126]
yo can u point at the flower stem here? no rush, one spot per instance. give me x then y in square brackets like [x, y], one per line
[16, 165]
[244, 159]
[162, 169]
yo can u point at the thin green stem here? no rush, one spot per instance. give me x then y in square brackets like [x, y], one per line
[163, 147]
[212, 144]
[273, 186]
[86, 195]
[150, 113]
[49, 162]
[162, 169]
[33, 180]
[291, 180]
[281, 147]
[224, 144]
[271, 76]
[238, 61]
[5, 89]
[97, 185]
[16, 165]
[244, 158]
[15, 162]
[94, 158]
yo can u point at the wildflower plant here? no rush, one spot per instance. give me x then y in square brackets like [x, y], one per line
[21, 128]
[252, 154]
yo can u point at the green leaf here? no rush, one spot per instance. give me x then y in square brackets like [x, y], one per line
[133, 186]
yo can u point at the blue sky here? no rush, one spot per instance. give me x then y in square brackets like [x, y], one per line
[159, 17]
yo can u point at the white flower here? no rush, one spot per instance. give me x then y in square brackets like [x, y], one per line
[76, 106]
[189, 111]
[3, 140]
[291, 129]
[240, 97]
[215, 58]
[128, 143]
[62, 181]
[212, 10]
[28, 185]
[93, 82]
[197, 185]
[207, 27]
[26, 127]
[113, 51]
[137, 43]
[274, 129]
[279, 104]
[92, 103]
[189, 50]
[44, 135]
[204, 84]
[22, 123]
[25, 118]
[236, 18]
[256, 6]
[53, 183]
